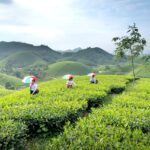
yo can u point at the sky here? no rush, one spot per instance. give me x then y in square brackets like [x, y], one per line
[67, 24]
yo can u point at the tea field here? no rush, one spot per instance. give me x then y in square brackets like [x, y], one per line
[122, 123]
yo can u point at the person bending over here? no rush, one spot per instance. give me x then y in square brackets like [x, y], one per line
[70, 82]
[93, 79]
[33, 88]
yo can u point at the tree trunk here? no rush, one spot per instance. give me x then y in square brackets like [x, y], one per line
[133, 67]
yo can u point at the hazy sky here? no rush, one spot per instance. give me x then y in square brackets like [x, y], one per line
[67, 24]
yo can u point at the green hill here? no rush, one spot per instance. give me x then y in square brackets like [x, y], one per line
[21, 59]
[90, 56]
[15, 55]
[44, 52]
[67, 67]
[10, 82]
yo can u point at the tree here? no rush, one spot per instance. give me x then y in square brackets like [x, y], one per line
[131, 45]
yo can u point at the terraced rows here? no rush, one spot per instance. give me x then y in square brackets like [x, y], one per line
[123, 124]
[22, 115]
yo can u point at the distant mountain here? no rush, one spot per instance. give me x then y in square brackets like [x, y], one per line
[19, 59]
[77, 49]
[73, 50]
[42, 51]
[22, 54]
[90, 56]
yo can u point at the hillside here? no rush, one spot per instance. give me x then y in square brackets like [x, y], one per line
[67, 67]
[10, 82]
[44, 52]
[141, 70]
[4, 92]
[90, 56]
[20, 59]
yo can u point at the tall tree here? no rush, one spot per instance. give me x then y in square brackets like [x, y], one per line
[131, 45]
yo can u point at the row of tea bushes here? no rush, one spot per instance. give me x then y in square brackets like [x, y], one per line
[11, 133]
[123, 124]
[49, 110]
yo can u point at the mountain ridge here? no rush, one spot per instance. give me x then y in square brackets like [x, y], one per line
[45, 52]
[36, 59]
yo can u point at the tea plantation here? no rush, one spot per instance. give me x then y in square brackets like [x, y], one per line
[124, 123]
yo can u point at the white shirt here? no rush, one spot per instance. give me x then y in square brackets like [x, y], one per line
[33, 87]
[70, 82]
[93, 79]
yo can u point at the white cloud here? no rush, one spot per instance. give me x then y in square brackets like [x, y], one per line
[64, 24]
[40, 32]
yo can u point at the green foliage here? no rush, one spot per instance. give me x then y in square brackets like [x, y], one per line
[131, 45]
[123, 124]
[11, 133]
[48, 111]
